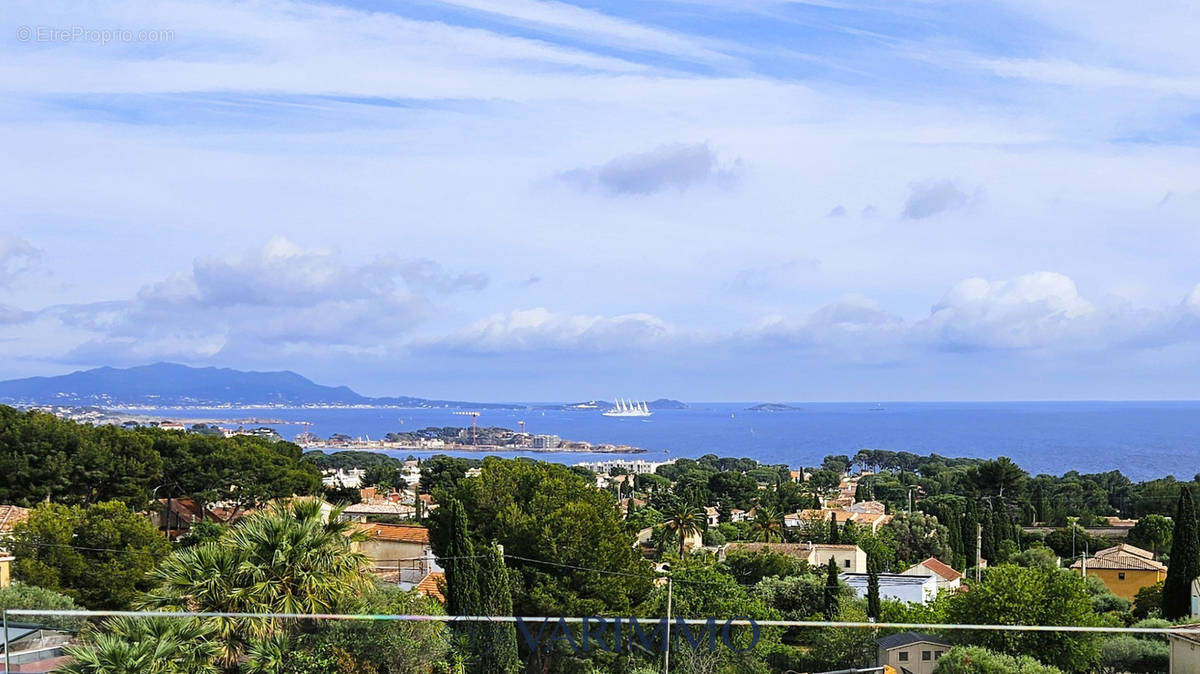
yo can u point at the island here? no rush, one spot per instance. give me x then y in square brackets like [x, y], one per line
[773, 407]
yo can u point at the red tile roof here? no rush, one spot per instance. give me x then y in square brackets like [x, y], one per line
[10, 515]
[941, 568]
[431, 586]
[395, 532]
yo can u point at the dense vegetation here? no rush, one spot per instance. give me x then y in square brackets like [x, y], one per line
[525, 537]
[43, 458]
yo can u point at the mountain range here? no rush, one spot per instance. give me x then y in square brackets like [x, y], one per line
[171, 384]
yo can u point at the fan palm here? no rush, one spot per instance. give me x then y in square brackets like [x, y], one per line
[768, 525]
[157, 645]
[683, 521]
[287, 559]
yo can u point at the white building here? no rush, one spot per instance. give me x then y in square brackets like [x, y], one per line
[347, 479]
[546, 442]
[946, 577]
[633, 467]
[911, 589]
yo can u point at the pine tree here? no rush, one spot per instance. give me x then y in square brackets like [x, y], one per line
[831, 590]
[462, 572]
[1185, 559]
[873, 606]
[833, 530]
[497, 640]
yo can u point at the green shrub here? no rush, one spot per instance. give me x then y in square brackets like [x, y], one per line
[979, 660]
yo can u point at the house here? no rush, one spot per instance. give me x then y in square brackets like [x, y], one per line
[848, 558]
[35, 648]
[373, 504]
[910, 652]
[737, 515]
[870, 521]
[947, 578]
[713, 516]
[345, 479]
[179, 514]
[399, 552]
[898, 586]
[431, 586]
[1124, 568]
[10, 515]
[1184, 646]
[873, 507]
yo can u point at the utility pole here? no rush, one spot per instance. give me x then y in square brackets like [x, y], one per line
[978, 549]
[667, 646]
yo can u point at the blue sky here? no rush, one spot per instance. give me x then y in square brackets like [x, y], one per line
[706, 200]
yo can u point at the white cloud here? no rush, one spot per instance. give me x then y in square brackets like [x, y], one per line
[281, 296]
[16, 254]
[1029, 311]
[527, 330]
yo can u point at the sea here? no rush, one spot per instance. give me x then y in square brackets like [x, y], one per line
[1143, 440]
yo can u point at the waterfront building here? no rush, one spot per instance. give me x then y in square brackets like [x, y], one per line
[546, 442]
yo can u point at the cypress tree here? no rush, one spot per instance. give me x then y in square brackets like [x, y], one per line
[1185, 560]
[462, 572]
[873, 607]
[833, 530]
[497, 640]
[831, 590]
[969, 521]
[987, 546]
[849, 533]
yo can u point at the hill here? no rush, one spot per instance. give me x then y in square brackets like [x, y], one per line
[170, 384]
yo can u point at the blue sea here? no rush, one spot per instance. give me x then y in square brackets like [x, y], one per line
[1141, 439]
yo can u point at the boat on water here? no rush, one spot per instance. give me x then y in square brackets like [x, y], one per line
[628, 408]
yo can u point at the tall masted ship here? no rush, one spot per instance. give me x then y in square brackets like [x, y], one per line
[627, 408]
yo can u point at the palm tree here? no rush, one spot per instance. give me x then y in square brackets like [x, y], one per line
[683, 520]
[286, 559]
[768, 525]
[157, 645]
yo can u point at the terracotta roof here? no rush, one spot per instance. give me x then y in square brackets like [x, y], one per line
[940, 568]
[835, 546]
[430, 586]
[1121, 562]
[10, 515]
[395, 532]
[1125, 549]
[868, 507]
[189, 509]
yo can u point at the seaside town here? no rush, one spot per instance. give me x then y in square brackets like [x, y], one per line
[880, 537]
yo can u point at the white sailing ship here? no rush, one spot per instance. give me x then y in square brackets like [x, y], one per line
[628, 408]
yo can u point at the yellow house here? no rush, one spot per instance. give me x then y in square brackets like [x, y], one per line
[5, 569]
[1125, 569]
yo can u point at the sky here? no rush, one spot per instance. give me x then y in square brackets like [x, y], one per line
[538, 200]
